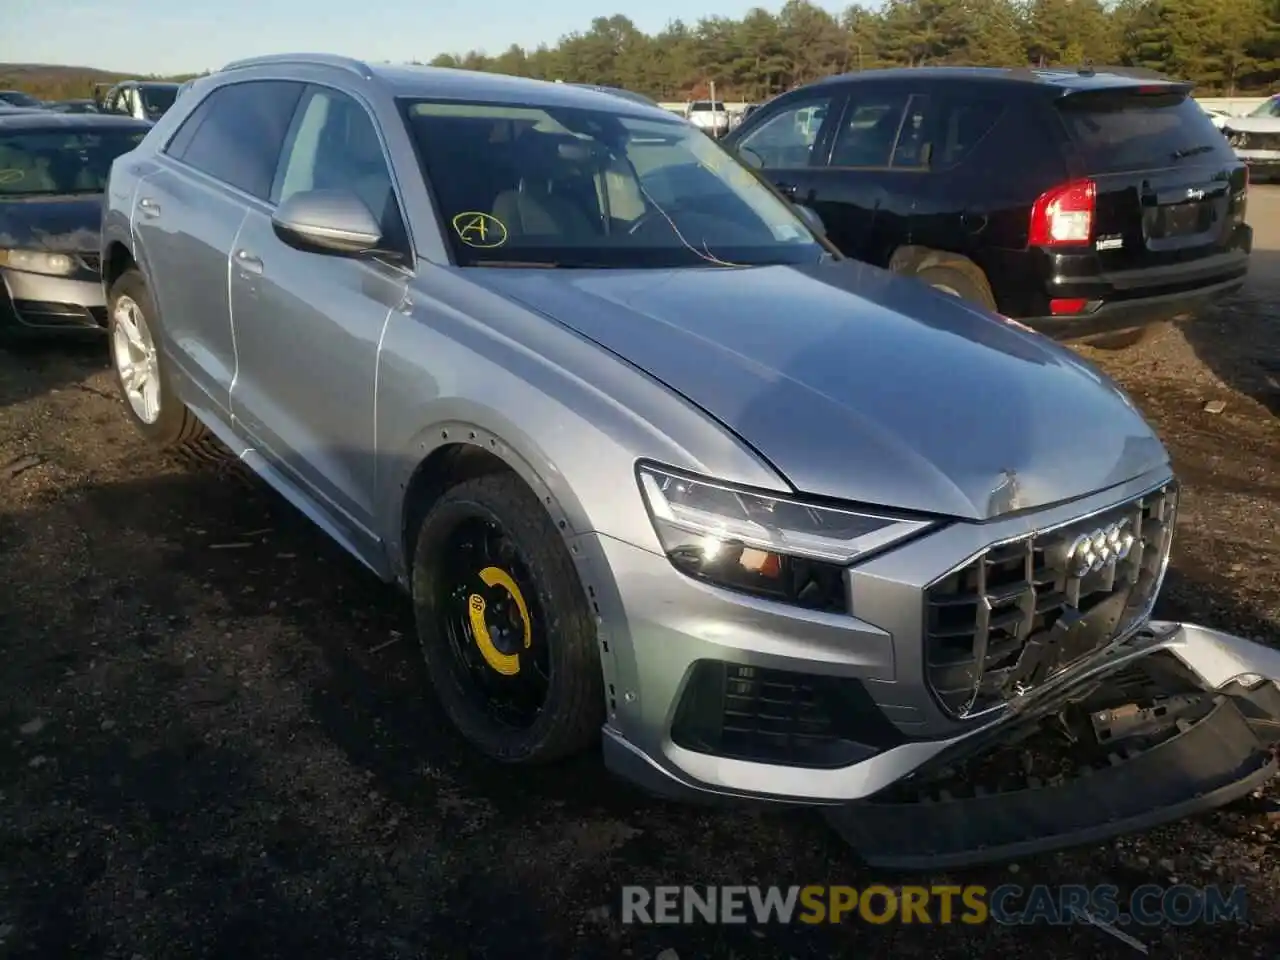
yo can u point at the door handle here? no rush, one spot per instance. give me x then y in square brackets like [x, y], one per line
[248, 261]
[149, 207]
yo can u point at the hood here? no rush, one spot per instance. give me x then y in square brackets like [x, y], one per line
[1253, 124]
[859, 385]
[62, 224]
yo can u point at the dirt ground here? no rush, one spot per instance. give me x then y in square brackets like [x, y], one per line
[215, 738]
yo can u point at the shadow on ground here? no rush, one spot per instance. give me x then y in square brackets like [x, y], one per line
[49, 364]
[1240, 341]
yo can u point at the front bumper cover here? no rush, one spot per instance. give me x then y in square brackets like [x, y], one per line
[1210, 718]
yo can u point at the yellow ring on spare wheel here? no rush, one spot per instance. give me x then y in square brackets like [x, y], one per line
[507, 664]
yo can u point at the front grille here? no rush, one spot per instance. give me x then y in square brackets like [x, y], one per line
[779, 716]
[91, 262]
[1022, 611]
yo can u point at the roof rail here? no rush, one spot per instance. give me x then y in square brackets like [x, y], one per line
[349, 64]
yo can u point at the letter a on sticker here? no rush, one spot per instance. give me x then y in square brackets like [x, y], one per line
[480, 229]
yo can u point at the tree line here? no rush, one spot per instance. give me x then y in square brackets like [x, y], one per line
[1228, 47]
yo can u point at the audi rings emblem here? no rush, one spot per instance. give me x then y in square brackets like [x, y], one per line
[1092, 552]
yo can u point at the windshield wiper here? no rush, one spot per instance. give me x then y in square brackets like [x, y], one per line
[1191, 151]
[517, 264]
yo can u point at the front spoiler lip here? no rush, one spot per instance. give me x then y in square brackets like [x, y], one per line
[1214, 656]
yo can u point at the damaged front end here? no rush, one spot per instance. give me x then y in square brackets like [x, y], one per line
[1176, 720]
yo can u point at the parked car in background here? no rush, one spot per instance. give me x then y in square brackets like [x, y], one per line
[1268, 108]
[709, 116]
[666, 468]
[73, 106]
[1081, 203]
[141, 99]
[1217, 117]
[16, 98]
[747, 110]
[1256, 139]
[53, 170]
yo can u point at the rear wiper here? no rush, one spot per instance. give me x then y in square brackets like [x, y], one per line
[1191, 151]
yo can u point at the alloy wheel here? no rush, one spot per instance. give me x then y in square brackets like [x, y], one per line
[134, 352]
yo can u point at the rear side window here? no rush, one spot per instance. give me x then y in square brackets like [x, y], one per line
[236, 133]
[1124, 131]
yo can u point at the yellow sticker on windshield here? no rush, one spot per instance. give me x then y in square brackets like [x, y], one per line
[480, 229]
[11, 175]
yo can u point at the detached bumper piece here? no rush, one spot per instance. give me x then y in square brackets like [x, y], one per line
[1144, 746]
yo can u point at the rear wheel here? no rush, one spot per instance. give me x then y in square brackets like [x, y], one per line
[142, 373]
[947, 272]
[960, 279]
[508, 637]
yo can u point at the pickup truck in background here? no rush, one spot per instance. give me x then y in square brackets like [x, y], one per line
[709, 116]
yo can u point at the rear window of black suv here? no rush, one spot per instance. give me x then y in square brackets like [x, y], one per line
[1139, 128]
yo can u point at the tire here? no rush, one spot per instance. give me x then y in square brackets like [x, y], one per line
[129, 303]
[960, 278]
[554, 610]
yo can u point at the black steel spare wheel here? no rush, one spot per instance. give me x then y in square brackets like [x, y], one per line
[508, 638]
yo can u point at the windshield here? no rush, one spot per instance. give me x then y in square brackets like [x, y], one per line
[18, 98]
[550, 186]
[56, 162]
[1271, 108]
[158, 99]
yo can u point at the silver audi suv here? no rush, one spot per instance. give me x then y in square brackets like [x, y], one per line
[656, 464]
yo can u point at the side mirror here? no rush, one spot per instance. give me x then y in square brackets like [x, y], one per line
[810, 216]
[327, 221]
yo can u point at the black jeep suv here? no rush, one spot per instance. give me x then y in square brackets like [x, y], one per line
[1078, 202]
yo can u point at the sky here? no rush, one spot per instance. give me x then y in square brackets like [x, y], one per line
[189, 36]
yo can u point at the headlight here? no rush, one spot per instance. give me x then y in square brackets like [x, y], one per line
[38, 261]
[775, 547]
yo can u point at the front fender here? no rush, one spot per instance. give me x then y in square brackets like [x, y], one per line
[569, 417]
[455, 420]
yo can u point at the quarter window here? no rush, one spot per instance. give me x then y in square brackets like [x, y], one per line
[236, 133]
[786, 139]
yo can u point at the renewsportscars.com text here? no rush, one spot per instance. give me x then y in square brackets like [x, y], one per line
[1008, 904]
